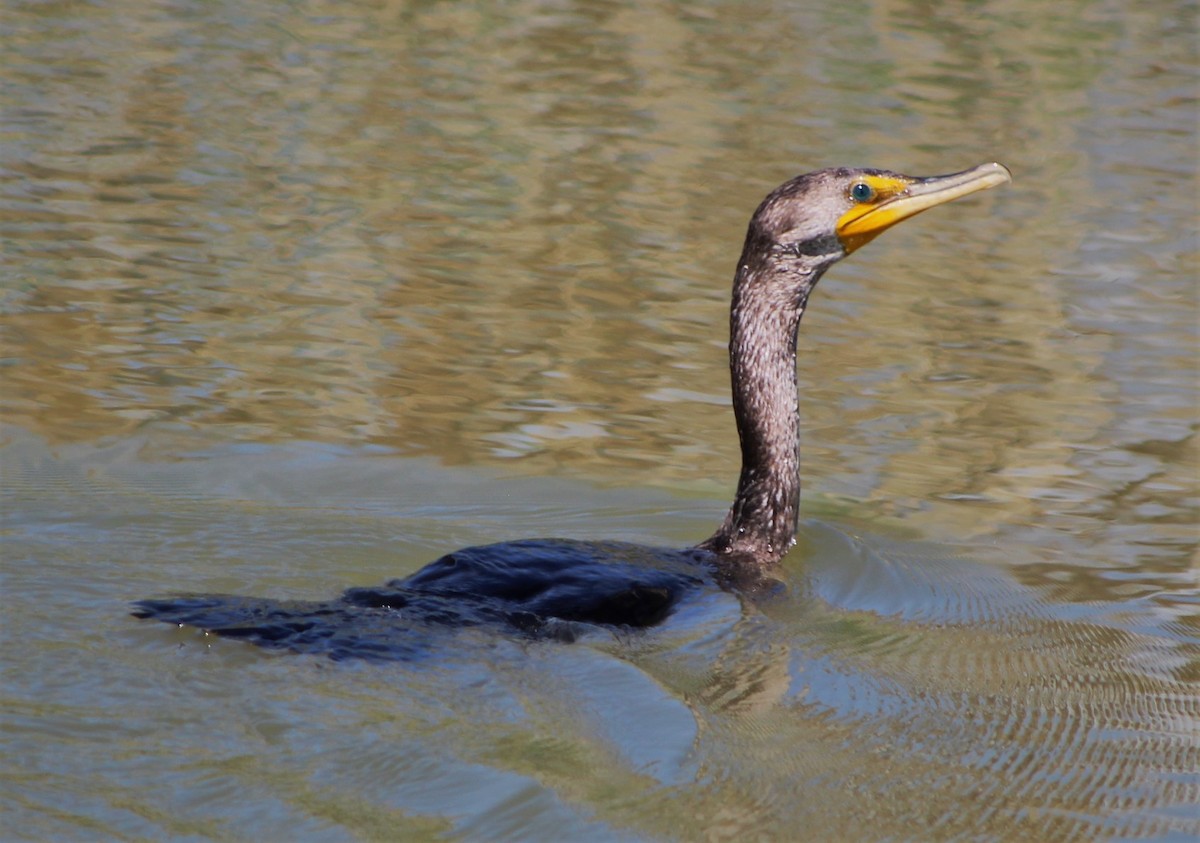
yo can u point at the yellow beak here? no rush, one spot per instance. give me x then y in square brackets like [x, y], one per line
[898, 199]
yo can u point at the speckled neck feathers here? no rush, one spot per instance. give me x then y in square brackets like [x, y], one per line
[779, 266]
[802, 228]
[761, 524]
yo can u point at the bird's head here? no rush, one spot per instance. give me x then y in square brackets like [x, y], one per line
[819, 218]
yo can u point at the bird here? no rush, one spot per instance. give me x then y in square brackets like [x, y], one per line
[558, 589]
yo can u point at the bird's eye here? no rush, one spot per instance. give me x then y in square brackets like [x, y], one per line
[862, 192]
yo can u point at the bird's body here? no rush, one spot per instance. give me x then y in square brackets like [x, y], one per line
[552, 587]
[537, 588]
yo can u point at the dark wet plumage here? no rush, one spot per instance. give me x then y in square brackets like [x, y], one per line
[539, 588]
[554, 588]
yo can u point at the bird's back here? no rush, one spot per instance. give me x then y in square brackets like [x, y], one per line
[540, 588]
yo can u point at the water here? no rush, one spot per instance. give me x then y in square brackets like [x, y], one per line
[300, 297]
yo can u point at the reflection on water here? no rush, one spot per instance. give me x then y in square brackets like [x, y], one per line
[892, 674]
[298, 299]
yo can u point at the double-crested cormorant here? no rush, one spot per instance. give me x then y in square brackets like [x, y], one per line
[550, 587]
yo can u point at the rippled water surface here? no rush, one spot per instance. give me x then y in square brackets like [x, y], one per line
[300, 296]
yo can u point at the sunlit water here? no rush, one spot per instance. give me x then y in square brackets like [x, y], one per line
[299, 298]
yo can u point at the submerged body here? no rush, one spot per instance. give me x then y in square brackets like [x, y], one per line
[539, 588]
[552, 587]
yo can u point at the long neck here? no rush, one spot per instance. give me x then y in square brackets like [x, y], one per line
[761, 524]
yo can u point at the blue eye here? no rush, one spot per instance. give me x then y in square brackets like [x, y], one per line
[862, 192]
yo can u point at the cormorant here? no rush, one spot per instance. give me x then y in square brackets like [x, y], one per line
[550, 587]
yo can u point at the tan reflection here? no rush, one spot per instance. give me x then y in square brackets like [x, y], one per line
[508, 239]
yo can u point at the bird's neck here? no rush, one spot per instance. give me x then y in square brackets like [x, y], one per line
[761, 524]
